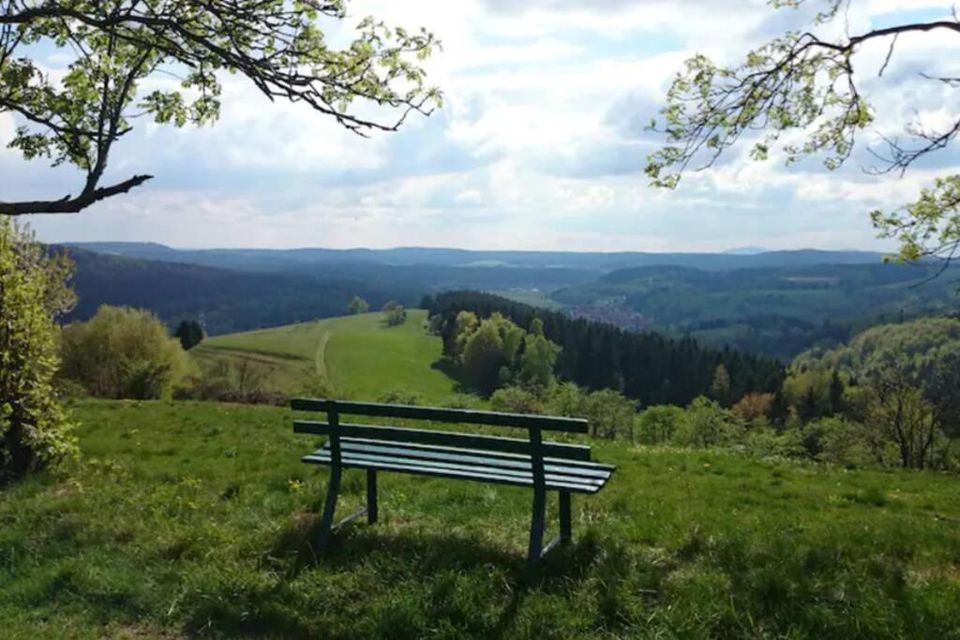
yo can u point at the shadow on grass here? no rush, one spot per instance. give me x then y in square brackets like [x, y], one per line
[433, 553]
[398, 557]
[455, 373]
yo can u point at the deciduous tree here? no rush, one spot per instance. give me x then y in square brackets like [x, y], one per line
[115, 46]
[811, 84]
[34, 428]
[123, 353]
[357, 306]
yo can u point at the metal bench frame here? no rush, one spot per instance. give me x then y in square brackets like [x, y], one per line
[541, 453]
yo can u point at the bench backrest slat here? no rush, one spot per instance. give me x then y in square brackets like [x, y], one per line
[444, 438]
[463, 416]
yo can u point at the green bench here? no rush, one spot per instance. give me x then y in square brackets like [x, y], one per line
[526, 462]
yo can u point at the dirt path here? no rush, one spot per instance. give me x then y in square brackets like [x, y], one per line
[320, 356]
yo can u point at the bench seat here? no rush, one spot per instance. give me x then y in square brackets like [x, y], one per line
[449, 462]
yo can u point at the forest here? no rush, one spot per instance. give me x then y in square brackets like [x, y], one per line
[647, 366]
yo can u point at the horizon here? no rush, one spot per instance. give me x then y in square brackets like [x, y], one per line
[540, 146]
[741, 251]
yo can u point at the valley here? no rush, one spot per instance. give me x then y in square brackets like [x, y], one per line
[776, 303]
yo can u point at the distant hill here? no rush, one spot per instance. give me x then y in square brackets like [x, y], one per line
[775, 302]
[779, 311]
[307, 259]
[225, 300]
[745, 251]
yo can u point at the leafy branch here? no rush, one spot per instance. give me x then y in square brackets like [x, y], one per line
[277, 45]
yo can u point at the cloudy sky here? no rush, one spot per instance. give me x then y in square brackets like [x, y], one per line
[540, 144]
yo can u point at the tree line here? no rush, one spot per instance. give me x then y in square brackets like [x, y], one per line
[647, 367]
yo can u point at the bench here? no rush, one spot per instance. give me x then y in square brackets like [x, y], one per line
[526, 462]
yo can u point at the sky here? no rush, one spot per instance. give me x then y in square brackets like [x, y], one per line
[540, 144]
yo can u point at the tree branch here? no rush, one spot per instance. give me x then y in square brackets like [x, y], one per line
[68, 204]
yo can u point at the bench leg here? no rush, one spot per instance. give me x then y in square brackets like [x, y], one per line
[329, 507]
[371, 496]
[566, 529]
[536, 526]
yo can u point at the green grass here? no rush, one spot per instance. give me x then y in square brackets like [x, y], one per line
[357, 356]
[195, 520]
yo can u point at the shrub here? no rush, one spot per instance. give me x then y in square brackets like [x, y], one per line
[401, 396]
[357, 306]
[34, 429]
[123, 353]
[753, 406]
[566, 399]
[659, 424]
[762, 441]
[611, 415]
[394, 314]
[516, 400]
[238, 380]
[841, 441]
[707, 424]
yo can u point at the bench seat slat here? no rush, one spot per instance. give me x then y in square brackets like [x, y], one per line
[483, 474]
[446, 463]
[456, 467]
[587, 464]
[592, 471]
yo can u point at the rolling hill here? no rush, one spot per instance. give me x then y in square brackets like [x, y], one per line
[775, 303]
[777, 311]
[225, 300]
[312, 258]
[358, 357]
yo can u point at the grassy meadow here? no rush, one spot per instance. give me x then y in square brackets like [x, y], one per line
[357, 357]
[195, 520]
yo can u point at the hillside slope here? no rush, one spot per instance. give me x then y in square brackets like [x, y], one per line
[195, 520]
[776, 311]
[358, 357]
[224, 300]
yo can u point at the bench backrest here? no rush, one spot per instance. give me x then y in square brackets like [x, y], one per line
[532, 445]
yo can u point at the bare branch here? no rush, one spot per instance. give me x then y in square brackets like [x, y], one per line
[69, 204]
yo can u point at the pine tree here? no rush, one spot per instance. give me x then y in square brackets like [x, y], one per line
[836, 394]
[190, 334]
[720, 386]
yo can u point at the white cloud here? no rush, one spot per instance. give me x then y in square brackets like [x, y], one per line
[539, 145]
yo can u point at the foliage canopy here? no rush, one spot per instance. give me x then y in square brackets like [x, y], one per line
[807, 84]
[123, 353]
[34, 429]
[116, 47]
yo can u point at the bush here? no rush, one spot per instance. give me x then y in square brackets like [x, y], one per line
[394, 314]
[762, 441]
[840, 441]
[123, 353]
[566, 399]
[707, 424]
[357, 306]
[237, 380]
[753, 406]
[611, 415]
[659, 424]
[401, 396]
[516, 400]
[34, 429]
